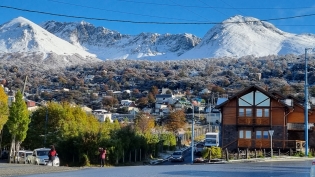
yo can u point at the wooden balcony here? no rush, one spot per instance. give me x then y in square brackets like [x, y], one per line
[265, 144]
[253, 121]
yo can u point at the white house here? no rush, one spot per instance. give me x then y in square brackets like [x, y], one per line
[102, 114]
[125, 102]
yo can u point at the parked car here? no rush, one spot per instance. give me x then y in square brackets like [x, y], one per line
[21, 156]
[40, 157]
[199, 148]
[177, 156]
[4, 155]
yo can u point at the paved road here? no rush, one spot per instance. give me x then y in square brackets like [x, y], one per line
[250, 169]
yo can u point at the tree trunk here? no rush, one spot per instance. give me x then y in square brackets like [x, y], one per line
[12, 150]
[17, 149]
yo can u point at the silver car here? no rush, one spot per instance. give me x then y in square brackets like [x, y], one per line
[40, 157]
[177, 156]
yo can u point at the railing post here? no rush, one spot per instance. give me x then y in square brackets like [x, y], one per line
[238, 153]
[290, 152]
[255, 154]
[209, 155]
[265, 153]
[279, 152]
[226, 154]
[247, 153]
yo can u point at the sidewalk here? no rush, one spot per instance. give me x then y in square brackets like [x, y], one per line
[268, 159]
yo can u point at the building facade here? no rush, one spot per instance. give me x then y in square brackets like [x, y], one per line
[248, 117]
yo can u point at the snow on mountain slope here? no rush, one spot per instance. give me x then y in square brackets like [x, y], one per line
[236, 37]
[108, 44]
[241, 36]
[22, 35]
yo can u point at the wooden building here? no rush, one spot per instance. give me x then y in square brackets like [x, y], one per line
[248, 116]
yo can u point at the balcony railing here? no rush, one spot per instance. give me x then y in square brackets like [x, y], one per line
[299, 126]
[253, 121]
[265, 144]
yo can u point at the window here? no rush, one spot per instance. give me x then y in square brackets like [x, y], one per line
[262, 134]
[266, 112]
[262, 112]
[261, 99]
[242, 112]
[249, 112]
[245, 134]
[266, 135]
[259, 113]
[258, 134]
[246, 100]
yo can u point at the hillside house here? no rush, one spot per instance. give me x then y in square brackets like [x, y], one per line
[248, 116]
[102, 114]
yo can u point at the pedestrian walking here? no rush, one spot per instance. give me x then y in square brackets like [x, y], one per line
[102, 156]
[52, 155]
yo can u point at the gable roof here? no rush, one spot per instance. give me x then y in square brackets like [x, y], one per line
[246, 90]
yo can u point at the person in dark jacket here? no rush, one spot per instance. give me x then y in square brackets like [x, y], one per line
[52, 155]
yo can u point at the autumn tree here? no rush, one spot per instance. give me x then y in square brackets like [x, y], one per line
[18, 122]
[4, 112]
[176, 120]
[154, 90]
[142, 102]
[144, 122]
[151, 98]
[109, 101]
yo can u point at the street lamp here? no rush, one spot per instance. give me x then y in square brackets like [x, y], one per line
[192, 135]
[46, 126]
[306, 103]
[46, 120]
[271, 150]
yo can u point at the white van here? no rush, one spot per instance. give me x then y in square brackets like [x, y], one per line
[212, 139]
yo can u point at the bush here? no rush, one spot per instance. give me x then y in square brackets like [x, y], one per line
[299, 154]
[85, 160]
[216, 152]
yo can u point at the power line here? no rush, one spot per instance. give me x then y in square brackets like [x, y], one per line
[248, 8]
[232, 7]
[152, 22]
[77, 5]
[213, 8]
[190, 10]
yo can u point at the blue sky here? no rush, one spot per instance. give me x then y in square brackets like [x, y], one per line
[172, 11]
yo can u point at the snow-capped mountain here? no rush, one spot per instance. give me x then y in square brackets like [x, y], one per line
[108, 44]
[236, 37]
[241, 36]
[23, 36]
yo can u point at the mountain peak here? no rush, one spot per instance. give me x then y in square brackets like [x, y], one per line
[22, 35]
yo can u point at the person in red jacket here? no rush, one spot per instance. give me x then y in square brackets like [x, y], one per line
[52, 155]
[102, 155]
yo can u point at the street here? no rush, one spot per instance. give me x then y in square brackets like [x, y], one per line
[258, 169]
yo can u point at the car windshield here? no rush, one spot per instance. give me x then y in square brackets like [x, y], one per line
[177, 153]
[28, 153]
[42, 153]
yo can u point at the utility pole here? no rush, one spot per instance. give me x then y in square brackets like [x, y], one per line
[306, 104]
[192, 135]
